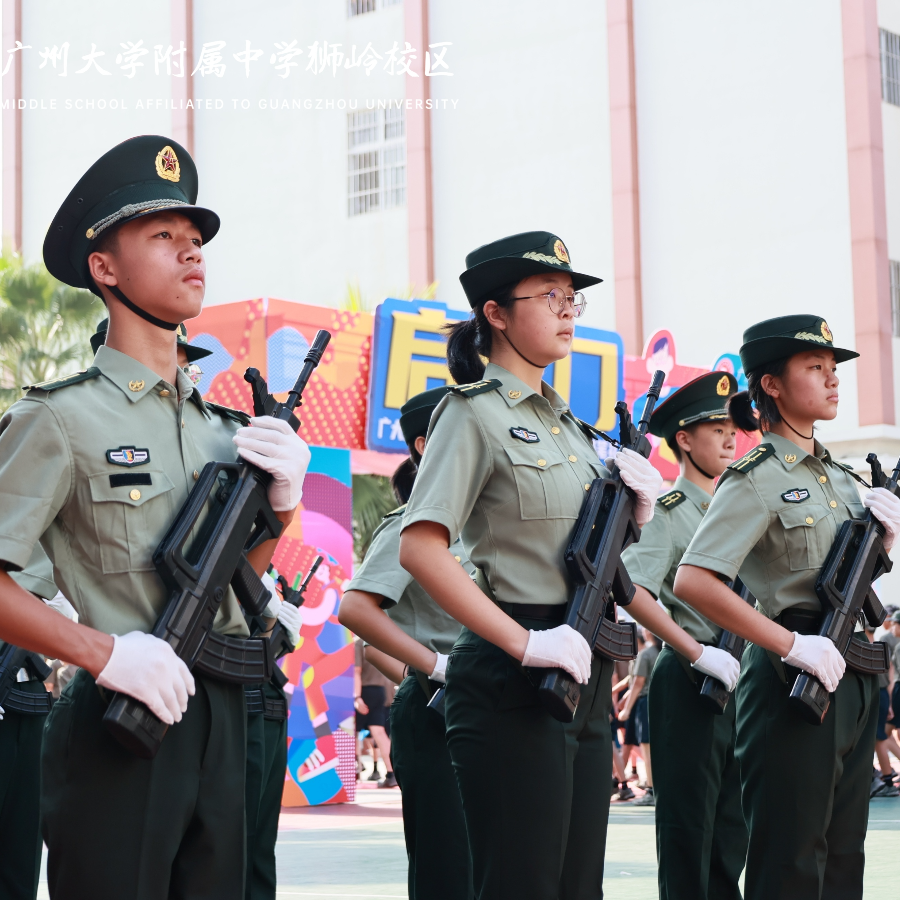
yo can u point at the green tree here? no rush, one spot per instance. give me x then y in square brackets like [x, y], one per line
[45, 327]
[373, 499]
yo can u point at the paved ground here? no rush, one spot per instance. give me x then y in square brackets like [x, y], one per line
[357, 851]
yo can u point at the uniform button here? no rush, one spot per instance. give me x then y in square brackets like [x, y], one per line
[164, 392]
[833, 504]
[573, 459]
[822, 479]
[135, 494]
[809, 520]
[542, 462]
[182, 423]
[554, 430]
[196, 474]
[458, 558]
[587, 487]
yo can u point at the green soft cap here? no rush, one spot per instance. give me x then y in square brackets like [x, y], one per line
[98, 339]
[415, 414]
[784, 336]
[514, 258]
[704, 399]
[138, 177]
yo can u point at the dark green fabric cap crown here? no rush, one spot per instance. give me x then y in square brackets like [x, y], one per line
[140, 176]
[514, 258]
[415, 414]
[786, 335]
[98, 339]
[704, 399]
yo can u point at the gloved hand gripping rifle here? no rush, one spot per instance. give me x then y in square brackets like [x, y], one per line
[226, 515]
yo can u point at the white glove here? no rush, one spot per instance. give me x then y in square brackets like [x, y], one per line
[719, 664]
[275, 448]
[274, 604]
[2, 712]
[146, 668]
[440, 669]
[818, 656]
[559, 648]
[885, 507]
[642, 478]
[62, 605]
[292, 619]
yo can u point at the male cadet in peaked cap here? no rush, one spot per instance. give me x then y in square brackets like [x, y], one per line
[95, 467]
[701, 838]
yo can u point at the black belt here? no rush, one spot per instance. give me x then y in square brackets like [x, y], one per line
[803, 621]
[541, 611]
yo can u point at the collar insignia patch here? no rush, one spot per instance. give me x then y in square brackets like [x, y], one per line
[128, 456]
[523, 434]
[790, 457]
[798, 495]
[135, 386]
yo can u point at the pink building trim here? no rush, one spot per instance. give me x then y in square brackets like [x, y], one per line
[868, 213]
[418, 152]
[626, 209]
[182, 12]
[12, 128]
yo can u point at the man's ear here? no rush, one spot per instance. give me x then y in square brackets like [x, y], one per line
[100, 266]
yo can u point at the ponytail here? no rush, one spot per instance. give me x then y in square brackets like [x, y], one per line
[740, 409]
[471, 339]
[404, 476]
[740, 405]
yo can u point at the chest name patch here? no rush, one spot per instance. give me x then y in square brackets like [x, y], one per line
[798, 495]
[128, 456]
[523, 434]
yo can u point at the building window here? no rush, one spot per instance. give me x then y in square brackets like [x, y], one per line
[376, 143]
[359, 7]
[895, 296]
[890, 66]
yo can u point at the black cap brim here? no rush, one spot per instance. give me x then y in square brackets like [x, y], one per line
[480, 280]
[768, 349]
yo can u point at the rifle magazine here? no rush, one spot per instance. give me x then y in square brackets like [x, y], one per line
[235, 660]
[866, 658]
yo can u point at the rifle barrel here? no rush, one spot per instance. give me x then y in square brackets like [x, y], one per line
[313, 358]
[652, 396]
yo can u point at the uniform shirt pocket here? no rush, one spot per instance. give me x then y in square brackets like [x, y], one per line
[808, 533]
[542, 482]
[130, 519]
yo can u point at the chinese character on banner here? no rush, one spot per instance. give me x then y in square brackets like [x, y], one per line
[167, 56]
[368, 59]
[247, 56]
[57, 54]
[435, 61]
[210, 62]
[399, 61]
[91, 61]
[283, 56]
[320, 58]
[19, 46]
[133, 52]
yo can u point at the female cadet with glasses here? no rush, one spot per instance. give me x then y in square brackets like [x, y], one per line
[507, 466]
[805, 787]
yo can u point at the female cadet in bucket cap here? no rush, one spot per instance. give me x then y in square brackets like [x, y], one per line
[95, 467]
[805, 788]
[417, 632]
[701, 839]
[507, 466]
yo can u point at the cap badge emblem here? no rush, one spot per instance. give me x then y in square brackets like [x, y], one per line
[826, 332]
[136, 386]
[559, 248]
[167, 165]
[790, 457]
[723, 386]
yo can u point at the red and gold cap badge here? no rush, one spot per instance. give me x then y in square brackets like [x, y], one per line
[167, 165]
[826, 332]
[559, 248]
[723, 386]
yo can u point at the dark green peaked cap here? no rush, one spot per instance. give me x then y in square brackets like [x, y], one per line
[702, 400]
[415, 414]
[514, 258]
[98, 339]
[140, 176]
[786, 335]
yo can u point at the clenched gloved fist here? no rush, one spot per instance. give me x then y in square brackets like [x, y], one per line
[273, 446]
[146, 668]
[274, 604]
[292, 620]
[818, 656]
[642, 478]
[62, 605]
[559, 648]
[440, 669]
[719, 664]
[885, 507]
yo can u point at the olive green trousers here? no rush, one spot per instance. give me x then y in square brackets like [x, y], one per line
[433, 824]
[535, 792]
[701, 838]
[805, 788]
[266, 766]
[20, 801]
[170, 828]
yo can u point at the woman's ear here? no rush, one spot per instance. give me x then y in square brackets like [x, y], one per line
[770, 384]
[495, 315]
[419, 444]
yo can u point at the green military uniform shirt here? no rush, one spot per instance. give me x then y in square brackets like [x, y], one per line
[37, 576]
[507, 468]
[64, 455]
[653, 561]
[774, 518]
[410, 608]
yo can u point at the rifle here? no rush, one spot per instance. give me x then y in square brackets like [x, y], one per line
[713, 692]
[606, 526]
[844, 587]
[279, 641]
[226, 515]
[12, 699]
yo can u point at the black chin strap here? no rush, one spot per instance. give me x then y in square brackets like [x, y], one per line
[530, 363]
[148, 317]
[805, 437]
[694, 464]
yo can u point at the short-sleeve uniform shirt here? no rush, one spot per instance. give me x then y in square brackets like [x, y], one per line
[407, 604]
[97, 471]
[653, 561]
[774, 517]
[507, 468]
[643, 666]
[37, 576]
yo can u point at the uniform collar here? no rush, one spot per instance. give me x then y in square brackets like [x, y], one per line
[790, 455]
[515, 391]
[696, 495]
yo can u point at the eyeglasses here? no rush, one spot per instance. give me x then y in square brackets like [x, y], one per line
[194, 372]
[557, 300]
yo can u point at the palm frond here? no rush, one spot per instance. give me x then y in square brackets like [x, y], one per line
[373, 499]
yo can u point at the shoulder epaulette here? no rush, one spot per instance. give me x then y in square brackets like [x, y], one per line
[78, 377]
[479, 387]
[397, 512]
[672, 499]
[227, 412]
[752, 459]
